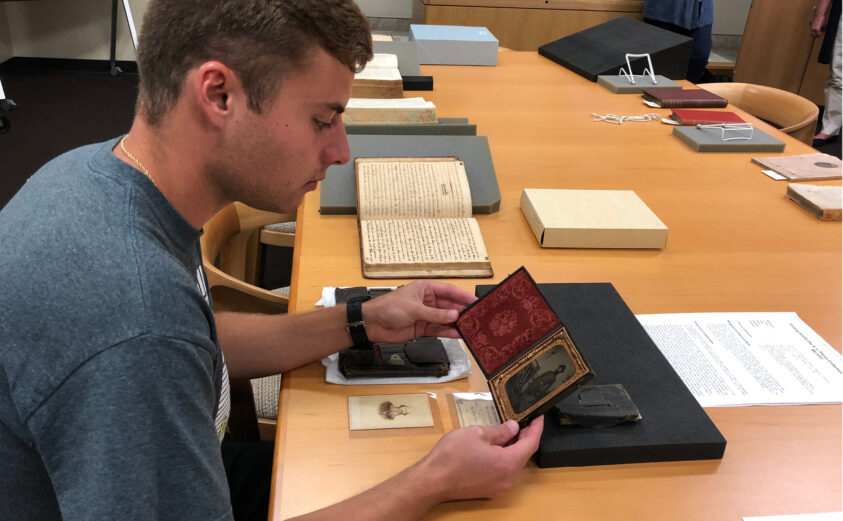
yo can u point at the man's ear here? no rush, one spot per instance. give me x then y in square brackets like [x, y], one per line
[216, 87]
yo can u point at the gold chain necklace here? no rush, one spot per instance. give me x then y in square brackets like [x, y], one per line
[137, 162]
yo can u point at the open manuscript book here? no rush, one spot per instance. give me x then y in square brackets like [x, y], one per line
[415, 219]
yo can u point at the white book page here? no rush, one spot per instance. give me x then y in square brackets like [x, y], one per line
[822, 516]
[381, 60]
[378, 74]
[728, 359]
[389, 103]
[422, 241]
[394, 189]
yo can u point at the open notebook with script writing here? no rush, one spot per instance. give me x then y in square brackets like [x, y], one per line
[414, 216]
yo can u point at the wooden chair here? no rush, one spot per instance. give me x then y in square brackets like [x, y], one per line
[231, 242]
[230, 253]
[792, 113]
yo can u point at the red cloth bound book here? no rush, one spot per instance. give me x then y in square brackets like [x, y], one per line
[704, 117]
[682, 98]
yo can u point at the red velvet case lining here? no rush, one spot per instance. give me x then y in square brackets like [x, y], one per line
[510, 319]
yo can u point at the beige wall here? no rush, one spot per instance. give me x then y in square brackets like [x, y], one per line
[5, 39]
[81, 29]
[61, 29]
[386, 8]
[730, 16]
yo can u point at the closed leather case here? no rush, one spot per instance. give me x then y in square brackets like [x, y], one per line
[346, 294]
[597, 406]
[424, 357]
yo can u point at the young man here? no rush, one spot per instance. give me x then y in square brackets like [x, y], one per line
[113, 383]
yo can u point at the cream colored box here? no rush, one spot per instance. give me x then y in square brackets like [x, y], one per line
[591, 219]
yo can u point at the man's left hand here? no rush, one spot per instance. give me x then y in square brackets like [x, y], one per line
[421, 308]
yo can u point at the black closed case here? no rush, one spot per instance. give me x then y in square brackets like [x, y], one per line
[425, 356]
[417, 82]
[602, 49]
[673, 426]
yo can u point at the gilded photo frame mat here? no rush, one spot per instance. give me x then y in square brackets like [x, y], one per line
[498, 383]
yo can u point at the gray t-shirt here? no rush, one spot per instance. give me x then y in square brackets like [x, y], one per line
[111, 374]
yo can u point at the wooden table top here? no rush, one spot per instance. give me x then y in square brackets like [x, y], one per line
[736, 243]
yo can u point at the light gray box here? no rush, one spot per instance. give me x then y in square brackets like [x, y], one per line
[454, 45]
[408, 58]
[711, 140]
[619, 84]
[338, 193]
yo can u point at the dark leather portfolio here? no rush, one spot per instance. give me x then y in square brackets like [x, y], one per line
[683, 98]
[673, 426]
[425, 356]
[602, 49]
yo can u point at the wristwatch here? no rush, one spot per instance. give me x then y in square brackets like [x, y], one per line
[356, 327]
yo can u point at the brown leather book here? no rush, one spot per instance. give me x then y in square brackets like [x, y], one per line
[683, 98]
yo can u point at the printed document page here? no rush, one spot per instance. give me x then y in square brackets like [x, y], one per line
[824, 516]
[729, 359]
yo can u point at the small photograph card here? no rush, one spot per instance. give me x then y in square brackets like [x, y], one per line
[523, 348]
[475, 409]
[389, 411]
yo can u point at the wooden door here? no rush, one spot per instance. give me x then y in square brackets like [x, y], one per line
[776, 43]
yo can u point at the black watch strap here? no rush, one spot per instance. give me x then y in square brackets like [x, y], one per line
[356, 327]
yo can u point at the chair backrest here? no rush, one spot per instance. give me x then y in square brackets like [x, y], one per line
[228, 251]
[791, 112]
[225, 239]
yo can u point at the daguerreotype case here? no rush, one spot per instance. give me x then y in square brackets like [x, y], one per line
[425, 356]
[523, 348]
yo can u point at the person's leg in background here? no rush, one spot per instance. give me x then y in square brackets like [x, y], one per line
[700, 50]
[832, 113]
[699, 53]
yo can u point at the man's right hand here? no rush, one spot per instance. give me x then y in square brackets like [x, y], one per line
[469, 463]
[818, 23]
[480, 462]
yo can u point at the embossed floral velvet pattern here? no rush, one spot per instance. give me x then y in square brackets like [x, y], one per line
[508, 320]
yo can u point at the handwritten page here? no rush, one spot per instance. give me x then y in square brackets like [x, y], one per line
[422, 241]
[390, 189]
[729, 359]
[414, 216]
[475, 409]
